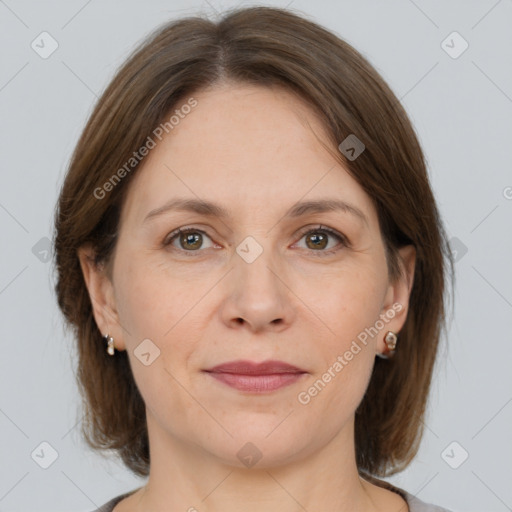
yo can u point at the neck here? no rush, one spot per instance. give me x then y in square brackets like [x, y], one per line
[185, 477]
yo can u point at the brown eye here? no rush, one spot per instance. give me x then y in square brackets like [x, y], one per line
[189, 240]
[318, 240]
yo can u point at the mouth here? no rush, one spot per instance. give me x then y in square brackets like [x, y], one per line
[254, 377]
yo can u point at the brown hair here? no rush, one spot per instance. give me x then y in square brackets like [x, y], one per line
[267, 47]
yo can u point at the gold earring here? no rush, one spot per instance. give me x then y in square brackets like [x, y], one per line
[110, 344]
[390, 339]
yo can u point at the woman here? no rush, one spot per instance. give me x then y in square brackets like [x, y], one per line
[247, 222]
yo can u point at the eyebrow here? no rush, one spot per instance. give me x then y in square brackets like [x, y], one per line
[211, 209]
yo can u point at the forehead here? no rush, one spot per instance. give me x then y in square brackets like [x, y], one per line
[248, 147]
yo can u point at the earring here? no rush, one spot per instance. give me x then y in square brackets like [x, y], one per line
[110, 347]
[390, 340]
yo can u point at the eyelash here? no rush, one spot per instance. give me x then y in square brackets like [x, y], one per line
[342, 239]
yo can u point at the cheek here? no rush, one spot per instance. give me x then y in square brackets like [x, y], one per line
[347, 302]
[151, 299]
[156, 305]
[348, 305]
[158, 309]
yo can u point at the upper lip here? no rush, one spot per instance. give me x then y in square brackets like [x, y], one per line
[268, 367]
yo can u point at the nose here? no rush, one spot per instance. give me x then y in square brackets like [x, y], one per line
[257, 297]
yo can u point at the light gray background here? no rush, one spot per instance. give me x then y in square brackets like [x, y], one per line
[462, 111]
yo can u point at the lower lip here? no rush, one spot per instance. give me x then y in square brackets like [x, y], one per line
[257, 383]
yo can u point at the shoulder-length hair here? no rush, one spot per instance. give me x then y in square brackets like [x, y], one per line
[268, 47]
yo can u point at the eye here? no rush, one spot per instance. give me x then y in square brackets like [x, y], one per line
[189, 240]
[317, 239]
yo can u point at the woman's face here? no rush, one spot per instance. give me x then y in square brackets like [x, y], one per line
[258, 284]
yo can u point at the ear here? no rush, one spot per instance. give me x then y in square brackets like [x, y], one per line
[396, 303]
[101, 293]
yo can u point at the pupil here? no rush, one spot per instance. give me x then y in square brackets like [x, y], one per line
[318, 237]
[189, 239]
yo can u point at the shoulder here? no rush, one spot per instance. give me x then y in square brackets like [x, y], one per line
[109, 505]
[417, 505]
[414, 503]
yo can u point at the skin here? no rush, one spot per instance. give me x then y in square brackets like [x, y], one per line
[255, 151]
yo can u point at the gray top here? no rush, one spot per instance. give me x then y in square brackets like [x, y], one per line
[415, 504]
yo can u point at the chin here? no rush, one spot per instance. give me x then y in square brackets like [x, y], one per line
[261, 446]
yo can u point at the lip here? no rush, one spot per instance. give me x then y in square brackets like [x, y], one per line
[253, 377]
